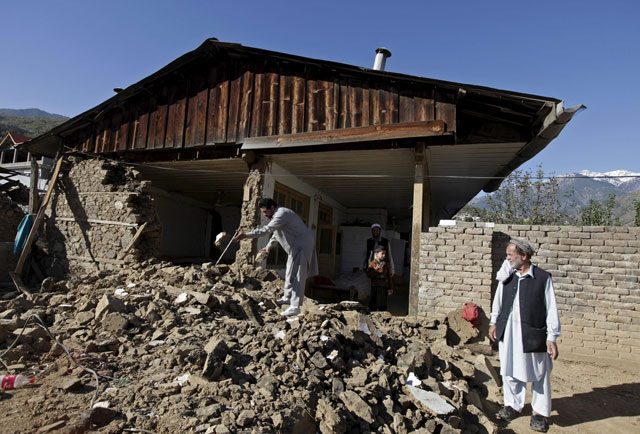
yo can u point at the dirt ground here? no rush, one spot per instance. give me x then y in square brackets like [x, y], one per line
[590, 397]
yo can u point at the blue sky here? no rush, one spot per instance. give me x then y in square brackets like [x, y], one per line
[67, 56]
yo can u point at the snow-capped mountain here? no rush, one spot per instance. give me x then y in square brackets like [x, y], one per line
[627, 180]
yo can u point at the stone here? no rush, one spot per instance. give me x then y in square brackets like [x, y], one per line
[331, 421]
[485, 373]
[53, 426]
[319, 360]
[108, 304]
[114, 322]
[83, 318]
[430, 401]
[357, 406]
[245, 417]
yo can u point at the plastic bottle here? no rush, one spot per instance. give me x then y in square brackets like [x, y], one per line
[15, 381]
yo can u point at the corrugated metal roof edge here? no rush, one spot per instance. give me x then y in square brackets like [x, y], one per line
[49, 142]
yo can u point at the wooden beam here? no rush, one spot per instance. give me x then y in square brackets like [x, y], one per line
[17, 281]
[33, 186]
[416, 229]
[38, 220]
[133, 240]
[406, 130]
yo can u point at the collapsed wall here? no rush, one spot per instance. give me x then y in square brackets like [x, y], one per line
[249, 215]
[595, 269]
[10, 216]
[101, 216]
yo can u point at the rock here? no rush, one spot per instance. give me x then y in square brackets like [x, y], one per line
[83, 318]
[47, 284]
[319, 360]
[430, 401]
[245, 417]
[330, 420]
[108, 304]
[102, 416]
[114, 322]
[357, 406]
[53, 426]
[216, 351]
[485, 373]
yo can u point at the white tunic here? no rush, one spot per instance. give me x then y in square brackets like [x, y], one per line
[514, 362]
[292, 234]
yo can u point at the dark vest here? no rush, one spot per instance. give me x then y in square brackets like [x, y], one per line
[533, 311]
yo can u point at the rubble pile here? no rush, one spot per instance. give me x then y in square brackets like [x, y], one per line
[204, 349]
[96, 209]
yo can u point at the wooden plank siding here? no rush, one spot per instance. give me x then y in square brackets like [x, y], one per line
[227, 100]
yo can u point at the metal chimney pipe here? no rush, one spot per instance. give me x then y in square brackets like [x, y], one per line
[381, 58]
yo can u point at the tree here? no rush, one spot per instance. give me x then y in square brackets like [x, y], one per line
[597, 214]
[528, 198]
[636, 220]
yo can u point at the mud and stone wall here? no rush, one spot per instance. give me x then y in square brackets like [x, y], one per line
[10, 216]
[94, 214]
[595, 269]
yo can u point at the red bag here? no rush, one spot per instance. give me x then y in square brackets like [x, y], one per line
[470, 313]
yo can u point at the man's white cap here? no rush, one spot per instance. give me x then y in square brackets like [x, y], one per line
[376, 225]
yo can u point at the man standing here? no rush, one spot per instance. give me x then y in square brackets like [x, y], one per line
[377, 240]
[380, 275]
[288, 229]
[525, 322]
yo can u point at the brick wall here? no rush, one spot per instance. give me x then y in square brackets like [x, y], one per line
[595, 269]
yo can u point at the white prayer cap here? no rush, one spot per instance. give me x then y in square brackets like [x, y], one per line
[523, 246]
[375, 225]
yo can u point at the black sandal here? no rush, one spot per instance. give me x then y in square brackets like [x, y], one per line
[507, 414]
[539, 423]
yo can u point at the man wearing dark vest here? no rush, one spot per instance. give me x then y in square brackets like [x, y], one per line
[377, 240]
[525, 322]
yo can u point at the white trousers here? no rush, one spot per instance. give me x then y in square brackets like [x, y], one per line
[515, 392]
[295, 278]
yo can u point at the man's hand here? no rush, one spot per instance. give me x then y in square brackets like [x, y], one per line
[552, 350]
[239, 237]
[492, 332]
[389, 291]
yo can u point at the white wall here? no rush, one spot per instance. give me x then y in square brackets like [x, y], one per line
[276, 173]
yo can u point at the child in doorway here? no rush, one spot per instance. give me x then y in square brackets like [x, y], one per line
[380, 275]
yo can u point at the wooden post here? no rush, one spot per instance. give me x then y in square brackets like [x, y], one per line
[38, 220]
[421, 212]
[33, 186]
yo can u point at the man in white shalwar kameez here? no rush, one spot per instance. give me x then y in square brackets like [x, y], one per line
[295, 238]
[525, 321]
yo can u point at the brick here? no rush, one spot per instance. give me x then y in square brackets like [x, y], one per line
[607, 325]
[615, 243]
[584, 309]
[580, 234]
[630, 342]
[596, 345]
[591, 242]
[619, 319]
[548, 228]
[593, 228]
[602, 249]
[585, 351]
[580, 248]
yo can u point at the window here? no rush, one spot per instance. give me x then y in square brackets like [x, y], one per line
[289, 198]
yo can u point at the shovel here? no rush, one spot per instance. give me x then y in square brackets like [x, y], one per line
[220, 240]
